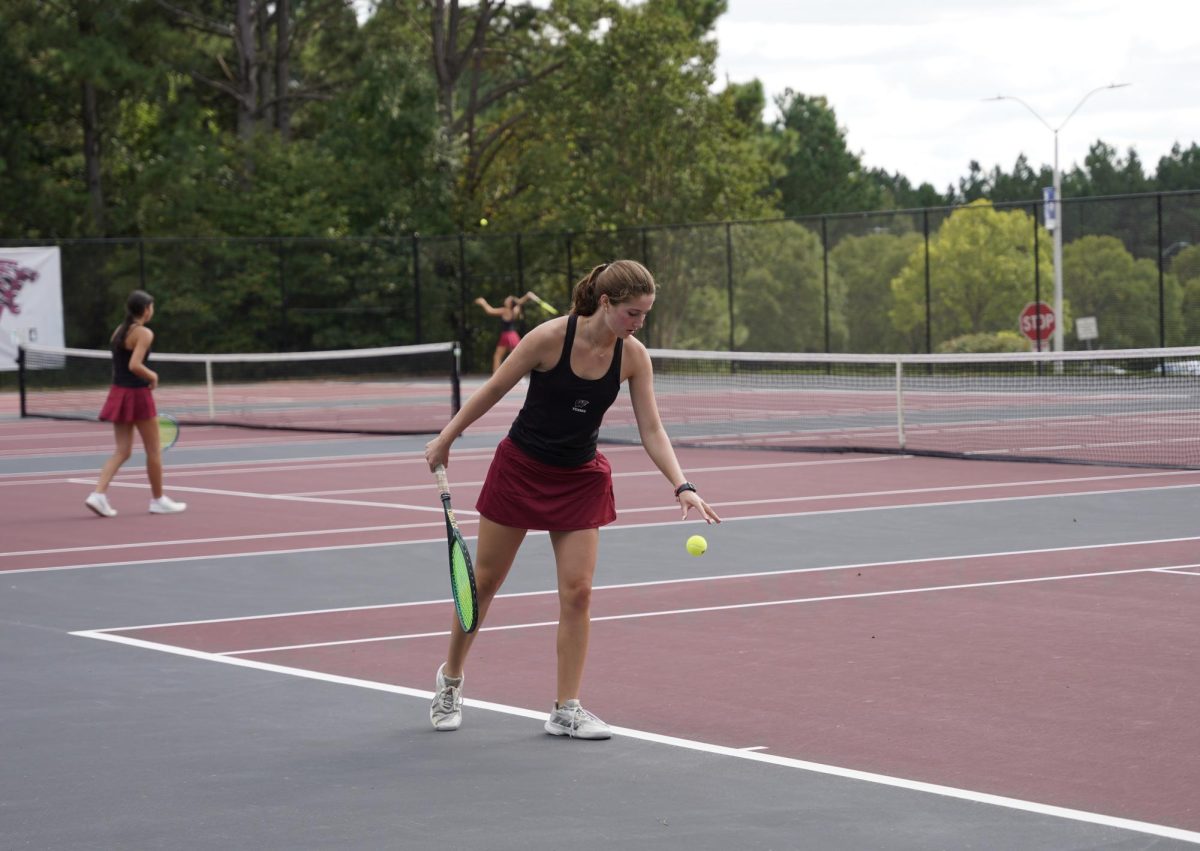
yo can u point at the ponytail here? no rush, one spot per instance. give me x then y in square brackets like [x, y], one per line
[620, 280]
[135, 308]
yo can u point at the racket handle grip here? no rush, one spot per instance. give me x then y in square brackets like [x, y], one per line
[442, 481]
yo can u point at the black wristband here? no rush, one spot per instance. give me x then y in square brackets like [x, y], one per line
[686, 486]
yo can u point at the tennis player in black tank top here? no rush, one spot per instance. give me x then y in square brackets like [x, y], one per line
[547, 474]
[130, 407]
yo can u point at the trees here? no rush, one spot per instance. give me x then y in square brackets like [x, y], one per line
[1180, 169]
[631, 135]
[255, 51]
[1102, 279]
[1186, 268]
[981, 268]
[867, 266]
[484, 57]
[819, 173]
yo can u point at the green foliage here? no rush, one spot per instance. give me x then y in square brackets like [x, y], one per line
[781, 291]
[1102, 279]
[819, 173]
[594, 117]
[994, 343]
[625, 134]
[981, 270]
[867, 265]
[1186, 267]
[898, 193]
[1023, 184]
[1179, 169]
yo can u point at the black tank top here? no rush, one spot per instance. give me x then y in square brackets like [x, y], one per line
[560, 421]
[122, 377]
[507, 325]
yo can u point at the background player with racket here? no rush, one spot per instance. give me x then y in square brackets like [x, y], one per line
[130, 405]
[548, 475]
[509, 313]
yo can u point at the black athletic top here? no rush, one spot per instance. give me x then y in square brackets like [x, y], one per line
[560, 421]
[507, 325]
[122, 376]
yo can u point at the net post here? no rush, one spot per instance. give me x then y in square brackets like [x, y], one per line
[21, 377]
[208, 382]
[900, 403]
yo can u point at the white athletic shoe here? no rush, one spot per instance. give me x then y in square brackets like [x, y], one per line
[98, 502]
[165, 505]
[446, 710]
[573, 720]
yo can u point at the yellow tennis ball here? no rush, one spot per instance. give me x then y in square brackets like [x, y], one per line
[483, 223]
[696, 545]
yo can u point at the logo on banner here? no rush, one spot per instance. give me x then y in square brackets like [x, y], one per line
[13, 278]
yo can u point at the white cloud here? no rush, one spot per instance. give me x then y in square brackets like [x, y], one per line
[907, 81]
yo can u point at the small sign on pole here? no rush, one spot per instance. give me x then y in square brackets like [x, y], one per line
[1049, 208]
[1086, 328]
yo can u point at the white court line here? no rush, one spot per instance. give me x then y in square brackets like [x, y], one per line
[328, 462]
[105, 447]
[471, 513]
[467, 519]
[310, 462]
[321, 462]
[761, 604]
[1179, 571]
[776, 516]
[641, 473]
[685, 580]
[279, 497]
[260, 536]
[688, 744]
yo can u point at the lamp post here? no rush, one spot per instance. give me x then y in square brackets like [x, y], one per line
[1057, 202]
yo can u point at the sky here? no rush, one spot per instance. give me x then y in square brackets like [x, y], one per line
[908, 80]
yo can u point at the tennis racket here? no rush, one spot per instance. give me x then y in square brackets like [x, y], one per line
[549, 308]
[462, 575]
[168, 431]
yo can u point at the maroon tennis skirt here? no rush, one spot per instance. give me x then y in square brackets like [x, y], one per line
[128, 405]
[524, 493]
[508, 340]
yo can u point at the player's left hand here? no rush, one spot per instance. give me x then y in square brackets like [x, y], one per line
[690, 499]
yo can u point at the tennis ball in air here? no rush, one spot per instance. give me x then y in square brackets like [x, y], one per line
[696, 545]
[483, 223]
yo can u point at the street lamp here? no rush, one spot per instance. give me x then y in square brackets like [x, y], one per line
[1057, 202]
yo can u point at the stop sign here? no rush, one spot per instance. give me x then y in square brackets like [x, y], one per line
[1037, 321]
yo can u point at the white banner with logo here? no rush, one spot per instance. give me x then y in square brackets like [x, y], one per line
[31, 309]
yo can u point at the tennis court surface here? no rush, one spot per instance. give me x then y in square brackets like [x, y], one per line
[877, 651]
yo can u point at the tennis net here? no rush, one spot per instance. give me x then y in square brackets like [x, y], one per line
[394, 390]
[1138, 407]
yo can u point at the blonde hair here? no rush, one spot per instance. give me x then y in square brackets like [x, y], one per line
[620, 280]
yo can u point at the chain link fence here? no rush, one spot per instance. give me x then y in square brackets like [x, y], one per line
[909, 281]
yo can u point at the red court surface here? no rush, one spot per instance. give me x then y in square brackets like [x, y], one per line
[896, 669]
[1052, 674]
[338, 500]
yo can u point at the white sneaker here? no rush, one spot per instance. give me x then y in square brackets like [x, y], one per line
[573, 720]
[165, 505]
[98, 502]
[446, 710]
